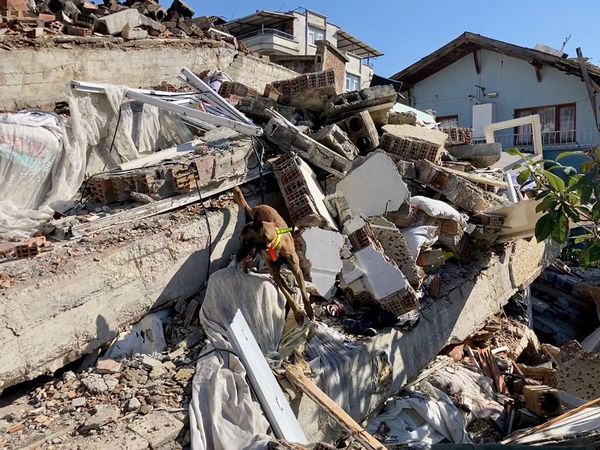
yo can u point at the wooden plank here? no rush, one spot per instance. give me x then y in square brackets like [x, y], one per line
[269, 393]
[476, 61]
[550, 422]
[490, 368]
[162, 206]
[298, 379]
[588, 85]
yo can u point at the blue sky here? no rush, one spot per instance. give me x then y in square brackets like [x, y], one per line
[405, 31]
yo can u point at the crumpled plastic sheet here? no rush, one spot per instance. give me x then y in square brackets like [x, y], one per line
[223, 414]
[41, 165]
[420, 420]
[137, 129]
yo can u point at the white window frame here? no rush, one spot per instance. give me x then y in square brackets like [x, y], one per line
[352, 82]
[315, 34]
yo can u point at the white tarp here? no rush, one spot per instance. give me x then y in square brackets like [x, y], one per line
[420, 420]
[223, 415]
[41, 164]
[115, 129]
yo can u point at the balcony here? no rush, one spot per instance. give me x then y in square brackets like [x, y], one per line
[270, 41]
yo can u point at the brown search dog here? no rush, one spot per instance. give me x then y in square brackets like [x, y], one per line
[276, 249]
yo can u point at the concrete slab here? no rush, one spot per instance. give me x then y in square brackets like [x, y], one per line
[321, 258]
[57, 316]
[374, 187]
[157, 428]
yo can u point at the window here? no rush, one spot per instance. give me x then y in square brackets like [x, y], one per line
[558, 124]
[447, 121]
[315, 34]
[352, 82]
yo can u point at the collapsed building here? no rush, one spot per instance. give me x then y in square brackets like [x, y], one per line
[118, 280]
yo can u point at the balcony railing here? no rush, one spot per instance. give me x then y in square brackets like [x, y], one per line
[269, 32]
[571, 139]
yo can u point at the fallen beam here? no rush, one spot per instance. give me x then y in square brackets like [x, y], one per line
[298, 379]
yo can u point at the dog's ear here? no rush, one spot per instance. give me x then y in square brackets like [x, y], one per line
[257, 221]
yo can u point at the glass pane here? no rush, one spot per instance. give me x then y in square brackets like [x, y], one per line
[449, 121]
[548, 120]
[566, 124]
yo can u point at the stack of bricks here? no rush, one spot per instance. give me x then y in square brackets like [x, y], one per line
[294, 188]
[304, 82]
[233, 88]
[111, 188]
[458, 136]
[75, 30]
[411, 149]
[32, 247]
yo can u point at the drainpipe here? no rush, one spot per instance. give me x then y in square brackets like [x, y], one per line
[305, 31]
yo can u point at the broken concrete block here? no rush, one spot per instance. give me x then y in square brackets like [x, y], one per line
[374, 187]
[395, 247]
[376, 99]
[402, 118]
[479, 155]
[320, 258]
[145, 337]
[543, 401]
[133, 33]
[114, 24]
[431, 258]
[334, 137]
[457, 136]
[361, 131]
[181, 8]
[337, 205]
[413, 143]
[256, 108]
[301, 192]
[461, 192]
[307, 90]
[158, 428]
[282, 132]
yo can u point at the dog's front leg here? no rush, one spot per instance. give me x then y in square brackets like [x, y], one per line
[297, 271]
[280, 282]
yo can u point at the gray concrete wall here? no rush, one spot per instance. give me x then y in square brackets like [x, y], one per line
[36, 76]
[55, 317]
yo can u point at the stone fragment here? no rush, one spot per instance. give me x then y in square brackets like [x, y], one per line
[133, 404]
[158, 428]
[337, 140]
[103, 414]
[361, 130]
[151, 363]
[183, 375]
[94, 384]
[78, 402]
[479, 155]
[108, 366]
[413, 143]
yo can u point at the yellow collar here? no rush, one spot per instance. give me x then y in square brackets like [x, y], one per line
[274, 247]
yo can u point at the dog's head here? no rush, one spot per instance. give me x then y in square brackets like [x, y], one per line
[255, 237]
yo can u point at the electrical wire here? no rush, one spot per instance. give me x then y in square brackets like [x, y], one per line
[260, 157]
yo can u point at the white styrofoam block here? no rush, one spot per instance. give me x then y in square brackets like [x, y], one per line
[382, 277]
[374, 187]
[322, 250]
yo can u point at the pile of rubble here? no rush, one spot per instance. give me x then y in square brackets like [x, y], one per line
[131, 20]
[126, 397]
[387, 212]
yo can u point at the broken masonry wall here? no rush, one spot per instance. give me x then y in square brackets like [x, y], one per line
[363, 377]
[33, 77]
[77, 300]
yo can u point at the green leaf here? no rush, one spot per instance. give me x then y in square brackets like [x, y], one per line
[580, 239]
[596, 212]
[572, 213]
[547, 204]
[544, 226]
[560, 228]
[585, 191]
[523, 176]
[517, 166]
[514, 151]
[542, 194]
[554, 181]
[590, 256]
[566, 155]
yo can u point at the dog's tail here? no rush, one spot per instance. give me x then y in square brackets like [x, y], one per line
[238, 197]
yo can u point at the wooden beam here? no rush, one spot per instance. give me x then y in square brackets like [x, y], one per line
[588, 85]
[476, 61]
[298, 379]
[538, 73]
